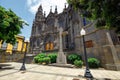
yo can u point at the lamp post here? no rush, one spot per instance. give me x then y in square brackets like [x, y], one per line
[23, 64]
[87, 71]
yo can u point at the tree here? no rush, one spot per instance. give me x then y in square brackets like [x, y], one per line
[10, 25]
[106, 12]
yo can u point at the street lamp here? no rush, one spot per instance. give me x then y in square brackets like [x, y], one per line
[23, 64]
[87, 71]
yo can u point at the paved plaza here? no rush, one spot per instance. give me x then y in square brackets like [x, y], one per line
[44, 72]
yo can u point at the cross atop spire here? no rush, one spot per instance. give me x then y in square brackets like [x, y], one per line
[56, 9]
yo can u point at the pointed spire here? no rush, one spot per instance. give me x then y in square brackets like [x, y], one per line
[56, 9]
[44, 13]
[50, 8]
[65, 5]
[40, 8]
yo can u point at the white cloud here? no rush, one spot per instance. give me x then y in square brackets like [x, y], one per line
[27, 40]
[34, 4]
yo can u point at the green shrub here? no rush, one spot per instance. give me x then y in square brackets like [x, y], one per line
[39, 58]
[93, 62]
[73, 57]
[41, 55]
[78, 63]
[45, 60]
[42, 58]
[52, 57]
[36, 59]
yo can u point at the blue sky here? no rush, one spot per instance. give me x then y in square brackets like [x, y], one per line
[26, 9]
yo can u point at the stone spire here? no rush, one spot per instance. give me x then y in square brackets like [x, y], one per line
[50, 9]
[65, 5]
[40, 9]
[39, 15]
[65, 9]
[44, 13]
[56, 10]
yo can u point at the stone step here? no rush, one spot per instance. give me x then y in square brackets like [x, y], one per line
[6, 66]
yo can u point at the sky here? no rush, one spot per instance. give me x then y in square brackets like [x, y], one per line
[26, 9]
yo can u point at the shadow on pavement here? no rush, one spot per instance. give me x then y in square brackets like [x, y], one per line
[102, 79]
[73, 76]
[9, 73]
[57, 74]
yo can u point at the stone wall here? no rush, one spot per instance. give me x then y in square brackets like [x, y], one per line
[5, 57]
[118, 50]
[103, 47]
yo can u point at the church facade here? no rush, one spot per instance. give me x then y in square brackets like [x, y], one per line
[100, 43]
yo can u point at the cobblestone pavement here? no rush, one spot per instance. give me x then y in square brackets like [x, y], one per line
[44, 72]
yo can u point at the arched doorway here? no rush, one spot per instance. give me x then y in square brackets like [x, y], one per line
[49, 45]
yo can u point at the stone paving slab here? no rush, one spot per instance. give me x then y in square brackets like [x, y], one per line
[43, 72]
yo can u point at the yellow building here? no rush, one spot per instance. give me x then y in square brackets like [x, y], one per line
[20, 45]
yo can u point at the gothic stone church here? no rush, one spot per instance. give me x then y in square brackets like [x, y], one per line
[100, 43]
